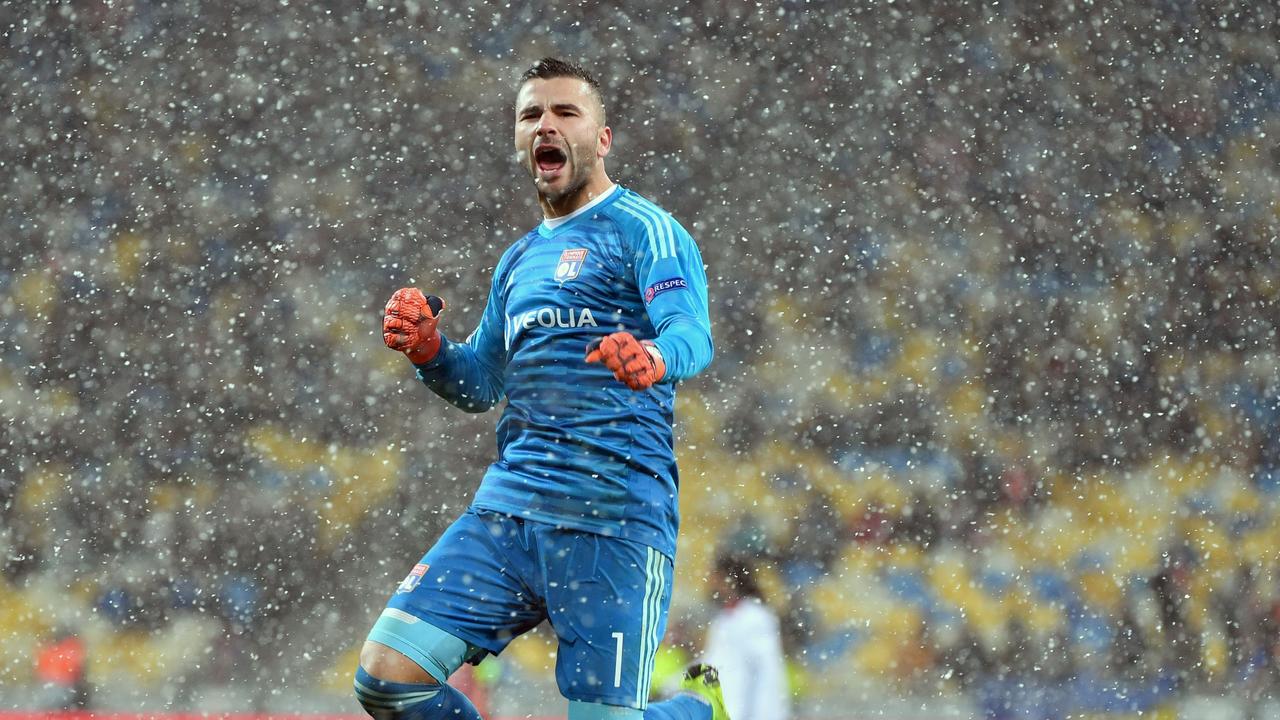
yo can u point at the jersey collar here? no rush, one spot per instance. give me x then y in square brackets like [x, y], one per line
[550, 225]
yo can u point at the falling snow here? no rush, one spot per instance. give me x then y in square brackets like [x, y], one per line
[996, 401]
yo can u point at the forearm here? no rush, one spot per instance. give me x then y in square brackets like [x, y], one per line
[686, 348]
[456, 375]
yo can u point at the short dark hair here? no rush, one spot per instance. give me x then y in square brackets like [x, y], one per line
[549, 67]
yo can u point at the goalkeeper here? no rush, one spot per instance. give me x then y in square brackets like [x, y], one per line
[591, 320]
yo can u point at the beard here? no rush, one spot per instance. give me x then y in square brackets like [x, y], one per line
[577, 180]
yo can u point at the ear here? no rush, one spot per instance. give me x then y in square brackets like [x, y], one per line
[604, 141]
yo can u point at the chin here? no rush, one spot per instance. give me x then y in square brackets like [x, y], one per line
[549, 193]
[560, 190]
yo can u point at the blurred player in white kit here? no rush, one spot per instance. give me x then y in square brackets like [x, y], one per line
[744, 642]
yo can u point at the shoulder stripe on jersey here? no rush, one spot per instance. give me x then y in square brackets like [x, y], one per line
[658, 224]
[648, 226]
[667, 222]
[661, 218]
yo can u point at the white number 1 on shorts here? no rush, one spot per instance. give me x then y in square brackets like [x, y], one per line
[617, 665]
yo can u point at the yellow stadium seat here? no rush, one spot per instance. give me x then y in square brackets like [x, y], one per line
[1101, 591]
[337, 677]
[533, 652]
[35, 294]
[127, 253]
[120, 656]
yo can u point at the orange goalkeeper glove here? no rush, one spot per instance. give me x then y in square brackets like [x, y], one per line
[638, 363]
[409, 324]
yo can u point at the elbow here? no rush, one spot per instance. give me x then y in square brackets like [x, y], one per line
[698, 351]
[707, 350]
[487, 397]
[480, 402]
[467, 397]
[690, 348]
[476, 406]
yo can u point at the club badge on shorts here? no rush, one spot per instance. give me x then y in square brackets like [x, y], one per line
[413, 578]
[570, 264]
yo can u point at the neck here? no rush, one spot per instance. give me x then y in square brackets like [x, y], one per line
[595, 187]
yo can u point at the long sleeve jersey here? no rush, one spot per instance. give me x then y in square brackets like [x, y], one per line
[576, 447]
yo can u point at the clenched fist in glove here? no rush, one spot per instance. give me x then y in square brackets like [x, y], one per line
[409, 324]
[635, 362]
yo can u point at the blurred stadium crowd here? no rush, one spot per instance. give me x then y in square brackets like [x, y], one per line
[996, 400]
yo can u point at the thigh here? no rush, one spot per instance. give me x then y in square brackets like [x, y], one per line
[607, 599]
[472, 584]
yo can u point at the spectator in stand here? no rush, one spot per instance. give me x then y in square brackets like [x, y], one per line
[61, 669]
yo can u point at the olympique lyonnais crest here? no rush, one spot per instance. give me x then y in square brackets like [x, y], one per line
[413, 578]
[570, 264]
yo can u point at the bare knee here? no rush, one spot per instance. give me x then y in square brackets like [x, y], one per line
[385, 663]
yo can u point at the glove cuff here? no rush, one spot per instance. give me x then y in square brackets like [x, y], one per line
[655, 356]
[426, 352]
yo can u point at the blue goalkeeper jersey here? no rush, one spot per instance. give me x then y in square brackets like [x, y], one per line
[576, 447]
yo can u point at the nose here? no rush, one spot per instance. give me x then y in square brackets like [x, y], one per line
[545, 126]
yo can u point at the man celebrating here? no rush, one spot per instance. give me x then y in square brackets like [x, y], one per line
[591, 319]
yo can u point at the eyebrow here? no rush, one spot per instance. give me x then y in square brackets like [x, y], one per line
[555, 106]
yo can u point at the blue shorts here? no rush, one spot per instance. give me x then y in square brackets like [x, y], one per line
[491, 577]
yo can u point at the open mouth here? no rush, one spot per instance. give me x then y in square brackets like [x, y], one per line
[549, 158]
